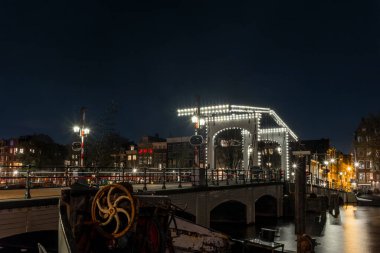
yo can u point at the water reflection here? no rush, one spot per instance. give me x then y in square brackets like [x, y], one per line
[355, 229]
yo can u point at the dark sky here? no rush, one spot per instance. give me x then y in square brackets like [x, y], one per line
[316, 63]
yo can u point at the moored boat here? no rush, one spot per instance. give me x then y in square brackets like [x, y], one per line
[367, 199]
[112, 219]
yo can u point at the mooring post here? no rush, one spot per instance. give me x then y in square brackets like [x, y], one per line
[300, 196]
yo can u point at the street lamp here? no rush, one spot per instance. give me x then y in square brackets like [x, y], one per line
[326, 163]
[83, 132]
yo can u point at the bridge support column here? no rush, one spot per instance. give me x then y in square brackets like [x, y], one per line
[202, 211]
[251, 217]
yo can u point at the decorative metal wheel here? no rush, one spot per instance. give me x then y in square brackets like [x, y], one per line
[113, 209]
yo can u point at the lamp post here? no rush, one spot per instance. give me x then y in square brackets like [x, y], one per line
[197, 141]
[341, 179]
[356, 174]
[326, 163]
[294, 166]
[83, 132]
[333, 172]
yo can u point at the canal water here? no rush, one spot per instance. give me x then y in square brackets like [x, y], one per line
[356, 229]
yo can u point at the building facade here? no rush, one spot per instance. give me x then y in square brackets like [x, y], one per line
[180, 152]
[367, 152]
[152, 152]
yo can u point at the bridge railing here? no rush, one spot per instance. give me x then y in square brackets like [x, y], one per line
[19, 176]
[29, 177]
[233, 176]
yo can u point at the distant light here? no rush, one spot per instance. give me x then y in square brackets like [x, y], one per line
[76, 129]
[326, 162]
[348, 168]
[202, 122]
[332, 160]
[292, 173]
[194, 119]
[134, 170]
[86, 131]
[294, 166]
[356, 164]
[15, 172]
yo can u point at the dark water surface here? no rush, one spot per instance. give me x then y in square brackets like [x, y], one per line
[356, 229]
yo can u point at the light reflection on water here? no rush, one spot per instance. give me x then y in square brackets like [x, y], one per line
[356, 229]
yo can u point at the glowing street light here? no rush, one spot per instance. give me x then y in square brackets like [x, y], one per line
[83, 132]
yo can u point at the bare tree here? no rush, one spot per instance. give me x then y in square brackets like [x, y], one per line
[229, 149]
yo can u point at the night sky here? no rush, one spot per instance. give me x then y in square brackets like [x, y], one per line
[316, 63]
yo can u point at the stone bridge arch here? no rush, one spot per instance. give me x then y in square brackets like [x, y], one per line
[266, 206]
[229, 211]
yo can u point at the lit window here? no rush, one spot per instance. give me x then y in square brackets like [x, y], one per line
[134, 157]
[21, 151]
[129, 157]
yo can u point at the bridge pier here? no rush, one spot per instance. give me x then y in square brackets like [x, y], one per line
[200, 203]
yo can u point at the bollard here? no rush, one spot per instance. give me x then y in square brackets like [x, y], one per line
[164, 183]
[27, 183]
[67, 176]
[179, 177]
[144, 188]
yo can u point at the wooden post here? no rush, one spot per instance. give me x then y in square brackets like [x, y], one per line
[300, 196]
